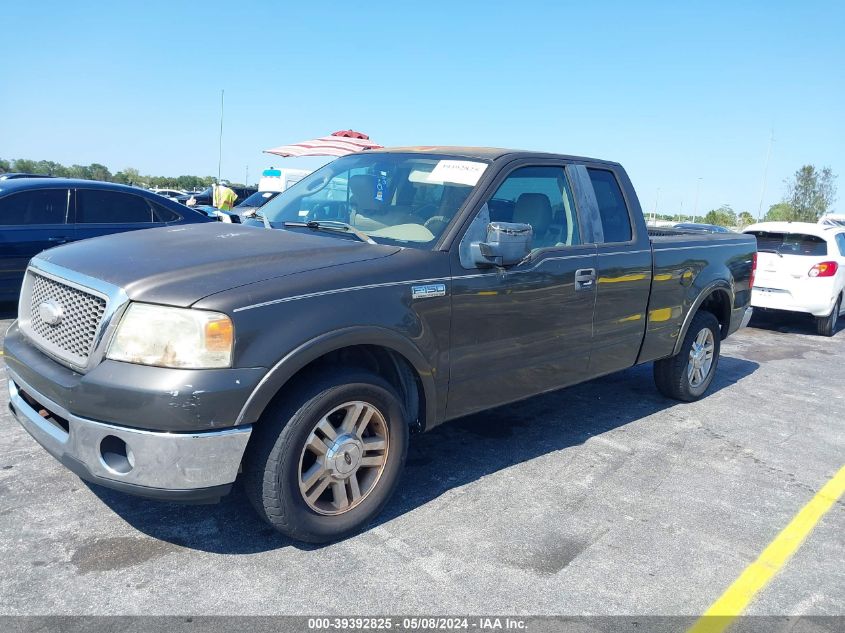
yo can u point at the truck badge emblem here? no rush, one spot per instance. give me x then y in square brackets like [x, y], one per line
[51, 312]
[430, 290]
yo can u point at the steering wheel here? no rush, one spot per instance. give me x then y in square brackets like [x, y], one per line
[436, 224]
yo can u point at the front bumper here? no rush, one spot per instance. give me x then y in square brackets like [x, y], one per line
[137, 396]
[194, 466]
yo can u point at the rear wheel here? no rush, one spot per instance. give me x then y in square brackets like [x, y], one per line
[324, 462]
[826, 326]
[687, 375]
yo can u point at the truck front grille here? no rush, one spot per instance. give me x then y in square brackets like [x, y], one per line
[70, 336]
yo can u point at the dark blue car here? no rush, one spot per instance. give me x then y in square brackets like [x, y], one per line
[38, 213]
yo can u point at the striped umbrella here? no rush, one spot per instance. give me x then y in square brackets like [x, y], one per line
[339, 143]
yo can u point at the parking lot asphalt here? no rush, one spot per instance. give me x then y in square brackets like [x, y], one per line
[604, 498]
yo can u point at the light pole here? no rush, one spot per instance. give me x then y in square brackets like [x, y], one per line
[697, 191]
[220, 140]
[654, 213]
[765, 174]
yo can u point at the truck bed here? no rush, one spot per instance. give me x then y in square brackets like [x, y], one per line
[684, 263]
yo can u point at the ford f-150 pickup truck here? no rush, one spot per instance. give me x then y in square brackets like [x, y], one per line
[387, 292]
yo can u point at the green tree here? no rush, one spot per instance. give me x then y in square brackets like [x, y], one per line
[723, 216]
[24, 165]
[5, 166]
[781, 212]
[99, 172]
[744, 219]
[811, 192]
[128, 176]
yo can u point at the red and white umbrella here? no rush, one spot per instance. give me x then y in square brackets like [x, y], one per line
[339, 143]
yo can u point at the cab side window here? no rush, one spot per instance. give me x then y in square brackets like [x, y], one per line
[44, 206]
[615, 220]
[840, 242]
[541, 197]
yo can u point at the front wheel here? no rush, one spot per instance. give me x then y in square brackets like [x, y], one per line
[688, 374]
[324, 462]
[826, 326]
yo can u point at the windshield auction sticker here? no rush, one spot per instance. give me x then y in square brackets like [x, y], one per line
[462, 172]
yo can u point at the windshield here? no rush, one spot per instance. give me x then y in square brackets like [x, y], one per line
[405, 199]
[258, 199]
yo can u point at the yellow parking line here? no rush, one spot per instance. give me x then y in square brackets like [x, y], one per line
[758, 574]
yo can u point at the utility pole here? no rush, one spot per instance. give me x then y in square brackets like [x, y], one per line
[220, 141]
[765, 174]
[246, 180]
[654, 213]
[697, 191]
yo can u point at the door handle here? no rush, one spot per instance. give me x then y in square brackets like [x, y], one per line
[585, 279]
[57, 240]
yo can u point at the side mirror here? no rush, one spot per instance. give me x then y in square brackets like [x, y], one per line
[507, 244]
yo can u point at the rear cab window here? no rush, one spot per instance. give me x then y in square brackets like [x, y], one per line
[615, 219]
[790, 243]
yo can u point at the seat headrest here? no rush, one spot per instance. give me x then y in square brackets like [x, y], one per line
[534, 209]
[363, 190]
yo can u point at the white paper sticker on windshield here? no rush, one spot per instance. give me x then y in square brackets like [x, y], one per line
[463, 172]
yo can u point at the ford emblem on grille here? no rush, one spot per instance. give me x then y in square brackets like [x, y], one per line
[51, 312]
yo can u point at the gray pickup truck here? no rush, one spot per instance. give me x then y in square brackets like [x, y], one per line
[385, 293]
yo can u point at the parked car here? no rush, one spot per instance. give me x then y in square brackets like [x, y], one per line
[254, 202]
[448, 281]
[706, 228]
[801, 268]
[239, 212]
[38, 213]
[206, 196]
[172, 194]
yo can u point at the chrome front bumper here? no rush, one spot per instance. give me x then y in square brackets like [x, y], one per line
[180, 466]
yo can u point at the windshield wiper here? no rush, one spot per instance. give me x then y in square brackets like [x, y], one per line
[770, 250]
[333, 225]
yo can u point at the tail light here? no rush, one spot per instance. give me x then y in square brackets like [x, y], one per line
[753, 269]
[824, 269]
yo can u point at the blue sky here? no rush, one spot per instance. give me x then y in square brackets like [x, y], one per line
[675, 92]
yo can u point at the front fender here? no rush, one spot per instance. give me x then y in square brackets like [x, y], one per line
[321, 345]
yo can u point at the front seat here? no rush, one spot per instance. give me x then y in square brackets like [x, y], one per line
[370, 214]
[362, 199]
[534, 209]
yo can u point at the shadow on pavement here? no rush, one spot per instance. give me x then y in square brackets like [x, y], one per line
[8, 310]
[449, 456]
[789, 322]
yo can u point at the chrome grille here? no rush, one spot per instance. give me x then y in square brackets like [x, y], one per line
[72, 338]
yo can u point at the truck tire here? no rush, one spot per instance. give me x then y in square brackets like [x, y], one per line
[826, 326]
[325, 460]
[687, 375]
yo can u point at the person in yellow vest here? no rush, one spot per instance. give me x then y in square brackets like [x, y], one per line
[224, 198]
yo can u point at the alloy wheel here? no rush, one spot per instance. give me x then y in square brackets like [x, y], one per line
[343, 458]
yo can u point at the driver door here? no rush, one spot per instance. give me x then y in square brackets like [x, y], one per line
[525, 329]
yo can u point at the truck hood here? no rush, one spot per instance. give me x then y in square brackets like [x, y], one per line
[180, 265]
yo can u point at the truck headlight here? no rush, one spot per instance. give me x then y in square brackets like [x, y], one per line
[173, 337]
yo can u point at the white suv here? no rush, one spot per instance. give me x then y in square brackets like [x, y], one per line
[800, 268]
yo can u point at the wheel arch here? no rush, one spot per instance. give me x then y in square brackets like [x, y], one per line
[717, 298]
[382, 350]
